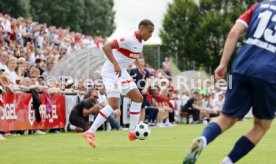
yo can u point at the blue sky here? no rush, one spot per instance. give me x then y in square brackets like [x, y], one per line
[130, 12]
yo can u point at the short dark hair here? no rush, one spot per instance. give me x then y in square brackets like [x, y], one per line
[146, 22]
[196, 92]
[37, 60]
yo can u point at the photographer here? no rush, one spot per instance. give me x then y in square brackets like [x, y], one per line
[79, 116]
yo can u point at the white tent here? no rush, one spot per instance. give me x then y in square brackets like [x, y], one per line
[82, 64]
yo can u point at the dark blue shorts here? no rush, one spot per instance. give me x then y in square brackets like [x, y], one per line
[250, 92]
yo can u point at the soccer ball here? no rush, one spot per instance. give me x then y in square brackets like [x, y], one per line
[142, 131]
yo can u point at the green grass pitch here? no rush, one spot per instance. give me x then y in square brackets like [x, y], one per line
[164, 146]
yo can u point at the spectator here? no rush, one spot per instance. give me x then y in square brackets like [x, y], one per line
[155, 92]
[20, 70]
[190, 108]
[184, 98]
[143, 84]
[6, 24]
[25, 84]
[163, 102]
[218, 103]
[80, 113]
[166, 66]
[3, 60]
[12, 65]
[113, 119]
[48, 68]
[38, 65]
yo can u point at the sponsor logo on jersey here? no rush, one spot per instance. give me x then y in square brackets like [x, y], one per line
[135, 56]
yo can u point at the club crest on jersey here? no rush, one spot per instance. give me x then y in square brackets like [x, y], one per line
[134, 56]
[115, 86]
[122, 39]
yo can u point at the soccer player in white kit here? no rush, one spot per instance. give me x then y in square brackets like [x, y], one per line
[121, 53]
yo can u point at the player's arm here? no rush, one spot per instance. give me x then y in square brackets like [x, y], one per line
[229, 48]
[107, 48]
[231, 41]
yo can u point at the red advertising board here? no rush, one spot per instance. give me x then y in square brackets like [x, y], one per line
[19, 113]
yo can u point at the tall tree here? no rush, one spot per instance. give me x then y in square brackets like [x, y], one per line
[15, 8]
[98, 17]
[87, 16]
[197, 31]
[61, 13]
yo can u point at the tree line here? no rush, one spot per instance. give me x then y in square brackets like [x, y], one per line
[93, 17]
[196, 30]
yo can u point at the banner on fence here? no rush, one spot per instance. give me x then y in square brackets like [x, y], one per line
[19, 113]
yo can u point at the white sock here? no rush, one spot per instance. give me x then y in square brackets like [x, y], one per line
[135, 109]
[204, 141]
[227, 160]
[101, 118]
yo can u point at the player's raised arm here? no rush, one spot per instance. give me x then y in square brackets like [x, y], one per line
[107, 48]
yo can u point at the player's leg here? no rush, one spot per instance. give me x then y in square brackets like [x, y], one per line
[264, 108]
[130, 89]
[247, 142]
[261, 126]
[113, 91]
[104, 113]
[237, 104]
[134, 110]
[113, 103]
[210, 132]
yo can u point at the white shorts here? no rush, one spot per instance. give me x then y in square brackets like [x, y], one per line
[115, 86]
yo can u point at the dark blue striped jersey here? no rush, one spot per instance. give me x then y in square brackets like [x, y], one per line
[257, 57]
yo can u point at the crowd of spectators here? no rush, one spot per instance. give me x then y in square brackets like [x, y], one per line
[165, 103]
[29, 50]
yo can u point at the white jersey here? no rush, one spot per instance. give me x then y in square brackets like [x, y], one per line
[128, 49]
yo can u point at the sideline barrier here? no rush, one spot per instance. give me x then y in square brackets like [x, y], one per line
[19, 113]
